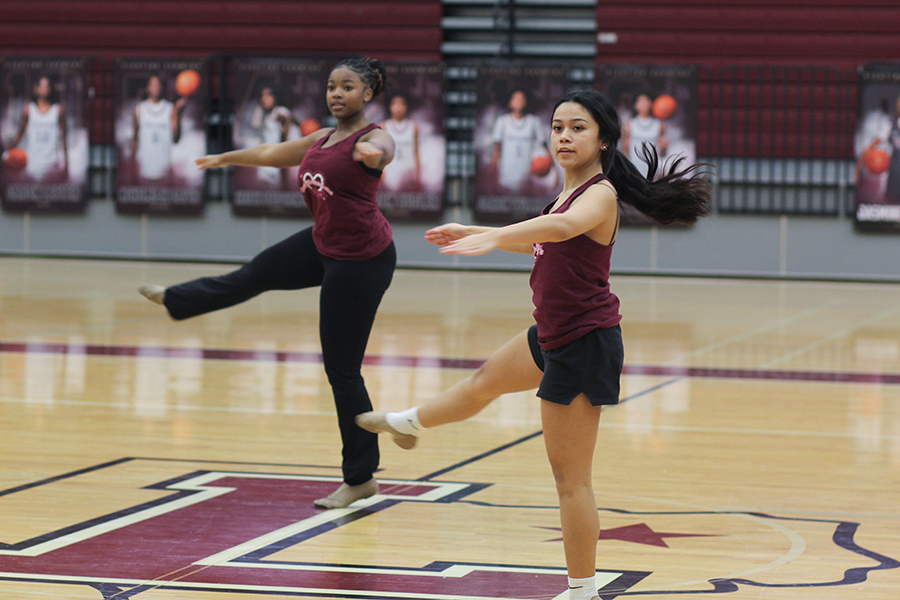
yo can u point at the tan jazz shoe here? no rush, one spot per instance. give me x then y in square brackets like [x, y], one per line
[346, 495]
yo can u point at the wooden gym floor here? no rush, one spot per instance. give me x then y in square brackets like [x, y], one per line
[755, 454]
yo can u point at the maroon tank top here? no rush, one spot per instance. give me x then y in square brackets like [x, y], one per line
[570, 285]
[342, 194]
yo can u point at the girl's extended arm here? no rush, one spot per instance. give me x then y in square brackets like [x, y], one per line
[448, 233]
[285, 154]
[593, 209]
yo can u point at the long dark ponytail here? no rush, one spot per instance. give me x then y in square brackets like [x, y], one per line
[675, 196]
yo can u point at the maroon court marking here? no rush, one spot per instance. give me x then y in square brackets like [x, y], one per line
[169, 548]
[432, 362]
[638, 533]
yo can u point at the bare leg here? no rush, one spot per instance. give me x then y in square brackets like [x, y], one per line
[509, 369]
[570, 435]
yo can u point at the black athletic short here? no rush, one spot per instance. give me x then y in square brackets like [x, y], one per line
[590, 365]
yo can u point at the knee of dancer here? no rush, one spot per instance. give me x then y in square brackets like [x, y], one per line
[568, 486]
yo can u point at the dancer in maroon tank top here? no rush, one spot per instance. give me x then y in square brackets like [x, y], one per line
[348, 251]
[573, 354]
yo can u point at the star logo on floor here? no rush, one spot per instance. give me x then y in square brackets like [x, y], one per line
[639, 533]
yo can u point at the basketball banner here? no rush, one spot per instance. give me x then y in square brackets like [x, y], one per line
[44, 135]
[877, 149]
[657, 105]
[515, 175]
[160, 132]
[276, 100]
[411, 111]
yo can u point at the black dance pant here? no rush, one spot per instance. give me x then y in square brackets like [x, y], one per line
[349, 298]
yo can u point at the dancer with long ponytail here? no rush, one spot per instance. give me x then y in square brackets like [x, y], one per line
[574, 353]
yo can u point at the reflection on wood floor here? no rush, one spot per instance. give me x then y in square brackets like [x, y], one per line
[756, 453]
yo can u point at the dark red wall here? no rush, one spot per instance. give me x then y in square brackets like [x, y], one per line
[390, 29]
[107, 29]
[796, 94]
[841, 33]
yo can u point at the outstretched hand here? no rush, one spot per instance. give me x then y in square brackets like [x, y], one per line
[364, 150]
[442, 235]
[210, 161]
[472, 245]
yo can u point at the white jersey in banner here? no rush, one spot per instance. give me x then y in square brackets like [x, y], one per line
[404, 166]
[42, 141]
[271, 126]
[643, 130]
[519, 140]
[154, 147]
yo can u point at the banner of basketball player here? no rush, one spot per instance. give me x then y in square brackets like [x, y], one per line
[515, 176]
[276, 100]
[412, 111]
[877, 149]
[44, 135]
[657, 105]
[160, 131]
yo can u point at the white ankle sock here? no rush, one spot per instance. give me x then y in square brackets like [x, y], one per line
[582, 589]
[406, 421]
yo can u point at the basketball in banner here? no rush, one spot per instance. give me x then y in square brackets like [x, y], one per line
[276, 100]
[44, 137]
[160, 131]
[512, 134]
[877, 149]
[411, 111]
[657, 105]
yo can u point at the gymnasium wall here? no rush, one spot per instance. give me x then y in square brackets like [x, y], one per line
[110, 28]
[835, 33]
[824, 32]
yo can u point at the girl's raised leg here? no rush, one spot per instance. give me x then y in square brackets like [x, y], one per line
[510, 369]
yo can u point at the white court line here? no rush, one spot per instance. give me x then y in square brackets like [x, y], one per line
[836, 335]
[786, 432]
[607, 425]
[175, 584]
[750, 333]
[182, 407]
